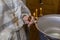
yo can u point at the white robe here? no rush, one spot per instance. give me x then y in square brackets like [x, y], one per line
[7, 9]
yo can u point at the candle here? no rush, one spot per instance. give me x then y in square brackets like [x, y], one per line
[41, 12]
[36, 12]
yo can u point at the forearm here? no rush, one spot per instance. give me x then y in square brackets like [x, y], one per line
[24, 9]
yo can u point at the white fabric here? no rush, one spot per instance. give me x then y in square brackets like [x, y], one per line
[7, 8]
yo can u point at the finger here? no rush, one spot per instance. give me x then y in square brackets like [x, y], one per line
[25, 18]
[32, 19]
[26, 22]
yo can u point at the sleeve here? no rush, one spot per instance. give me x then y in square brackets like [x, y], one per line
[24, 9]
[5, 35]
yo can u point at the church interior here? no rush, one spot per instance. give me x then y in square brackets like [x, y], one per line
[17, 24]
[40, 8]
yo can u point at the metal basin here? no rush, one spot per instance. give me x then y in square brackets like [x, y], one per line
[50, 25]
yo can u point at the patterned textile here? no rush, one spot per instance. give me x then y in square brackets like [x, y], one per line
[11, 13]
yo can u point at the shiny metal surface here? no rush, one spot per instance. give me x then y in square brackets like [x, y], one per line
[50, 25]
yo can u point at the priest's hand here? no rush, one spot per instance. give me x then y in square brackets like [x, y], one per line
[28, 20]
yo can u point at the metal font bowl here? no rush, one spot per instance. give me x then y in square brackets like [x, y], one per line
[50, 25]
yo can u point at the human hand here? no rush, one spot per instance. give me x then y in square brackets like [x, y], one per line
[28, 20]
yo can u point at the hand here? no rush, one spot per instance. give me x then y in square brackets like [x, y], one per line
[28, 20]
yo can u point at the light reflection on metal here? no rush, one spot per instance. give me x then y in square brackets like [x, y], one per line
[50, 25]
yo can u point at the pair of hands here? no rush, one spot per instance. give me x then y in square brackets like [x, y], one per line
[28, 20]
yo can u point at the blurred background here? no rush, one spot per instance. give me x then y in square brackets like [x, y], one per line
[49, 6]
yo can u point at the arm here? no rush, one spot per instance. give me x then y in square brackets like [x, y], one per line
[24, 9]
[26, 14]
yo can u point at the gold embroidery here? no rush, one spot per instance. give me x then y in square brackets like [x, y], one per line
[15, 20]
